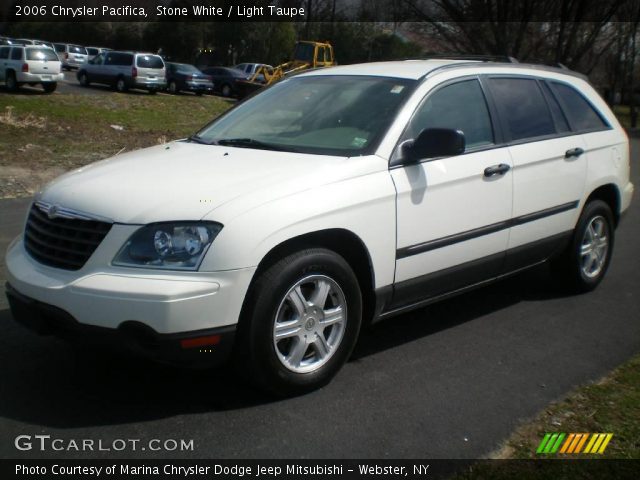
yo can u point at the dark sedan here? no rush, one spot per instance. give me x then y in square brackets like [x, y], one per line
[185, 77]
[225, 79]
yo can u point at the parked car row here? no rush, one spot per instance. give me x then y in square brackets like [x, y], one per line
[123, 70]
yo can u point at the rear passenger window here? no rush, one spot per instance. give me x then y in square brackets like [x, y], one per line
[523, 107]
[558, 116]
[4, 52]
[581, 113]
[460, 106]
[16, 54]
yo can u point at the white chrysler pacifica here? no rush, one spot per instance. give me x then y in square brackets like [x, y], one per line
[330, 199]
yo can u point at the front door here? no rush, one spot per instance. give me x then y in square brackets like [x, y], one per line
[453, 213]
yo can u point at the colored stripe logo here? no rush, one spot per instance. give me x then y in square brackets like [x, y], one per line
[572, 443]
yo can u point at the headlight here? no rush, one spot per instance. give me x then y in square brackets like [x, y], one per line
[170, 246]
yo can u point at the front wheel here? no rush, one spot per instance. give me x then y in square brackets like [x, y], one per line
[585, 262]
[301, 321]
[83, 79]
[226, 90]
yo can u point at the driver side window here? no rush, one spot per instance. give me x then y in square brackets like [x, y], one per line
[458, 106]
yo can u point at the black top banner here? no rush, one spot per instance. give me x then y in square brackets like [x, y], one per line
[311, 10]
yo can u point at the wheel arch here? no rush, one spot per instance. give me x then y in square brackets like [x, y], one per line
[610, 194]
[341, 241]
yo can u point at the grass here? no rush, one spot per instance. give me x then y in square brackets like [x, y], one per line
[41, 131]
[611, 405]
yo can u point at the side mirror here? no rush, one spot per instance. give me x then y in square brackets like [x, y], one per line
[432, 143]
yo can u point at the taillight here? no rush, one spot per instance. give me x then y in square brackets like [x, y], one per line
[134, 72]
[190, 79]
[66, 56]
[25, 67]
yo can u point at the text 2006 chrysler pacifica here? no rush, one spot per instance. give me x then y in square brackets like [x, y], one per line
[330, 199]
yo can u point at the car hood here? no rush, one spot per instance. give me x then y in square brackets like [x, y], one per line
[186, 181]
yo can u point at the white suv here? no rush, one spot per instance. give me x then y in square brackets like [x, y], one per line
[30, 65]
[330, 199]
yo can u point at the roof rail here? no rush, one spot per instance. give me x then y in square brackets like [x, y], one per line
[480, 58]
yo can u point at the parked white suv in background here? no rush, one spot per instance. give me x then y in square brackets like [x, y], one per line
[32, 65]
[333, 198]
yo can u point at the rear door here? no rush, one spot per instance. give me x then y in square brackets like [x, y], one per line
[549, 168]
[452, 218]
[150, 68]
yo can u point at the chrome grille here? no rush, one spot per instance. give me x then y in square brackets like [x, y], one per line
[62, 241]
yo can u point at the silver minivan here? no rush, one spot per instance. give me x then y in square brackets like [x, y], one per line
[71, 56]
[125, 70]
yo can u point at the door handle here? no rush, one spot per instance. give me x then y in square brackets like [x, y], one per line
[494, 170]
[574, 152]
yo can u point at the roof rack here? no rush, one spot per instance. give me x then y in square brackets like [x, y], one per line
[479, 58]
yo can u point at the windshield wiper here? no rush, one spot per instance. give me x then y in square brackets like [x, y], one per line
[251, 143]
[198, 139]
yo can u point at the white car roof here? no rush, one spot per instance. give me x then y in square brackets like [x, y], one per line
[411, 69]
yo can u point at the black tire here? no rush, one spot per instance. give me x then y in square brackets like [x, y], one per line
[198, 93]
[49, 87]
[571, 269]
[121, 85]
[226, 90]
[83, 79]
[11, 82]
[173, 88]
[152, 91]
[256, 352]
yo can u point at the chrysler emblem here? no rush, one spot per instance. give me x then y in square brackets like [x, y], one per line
[52, 212]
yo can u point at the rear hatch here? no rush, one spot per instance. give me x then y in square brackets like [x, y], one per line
[150, 69]
[77, 54]
[42, 61]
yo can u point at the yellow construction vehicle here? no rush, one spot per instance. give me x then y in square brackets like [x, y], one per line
[307, 54]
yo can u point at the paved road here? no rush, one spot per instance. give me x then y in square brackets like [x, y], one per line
[452, 380]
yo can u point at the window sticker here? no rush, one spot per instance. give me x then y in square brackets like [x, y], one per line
[397, 89]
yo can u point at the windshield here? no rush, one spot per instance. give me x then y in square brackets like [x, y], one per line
[333, 115]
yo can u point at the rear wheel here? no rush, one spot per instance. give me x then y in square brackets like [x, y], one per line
[585, 262]
[173, 88]
[226, 90]
[301, 321]
[49, 87]
[121, 85]
[12, 83]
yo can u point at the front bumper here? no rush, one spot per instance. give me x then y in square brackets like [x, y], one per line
[105, 296]
[203, 347]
